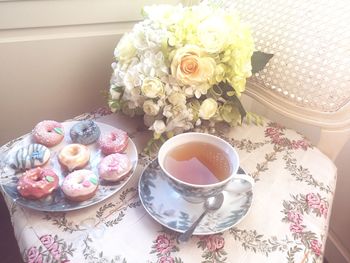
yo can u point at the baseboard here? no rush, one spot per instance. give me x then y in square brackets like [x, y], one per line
[335, 252]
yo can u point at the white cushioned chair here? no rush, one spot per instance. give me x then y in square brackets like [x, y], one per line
[308, 82]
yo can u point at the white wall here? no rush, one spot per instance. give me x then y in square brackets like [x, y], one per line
[55, 57]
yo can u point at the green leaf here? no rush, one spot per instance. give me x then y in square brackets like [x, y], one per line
[240, 107]
[58, 130]
[255, 118]
[117, 88]
[259, 60]
[231, 93]
[93, 180]
[49, 178]
[215, 92]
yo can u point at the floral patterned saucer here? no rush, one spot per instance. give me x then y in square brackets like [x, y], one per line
[168, 208]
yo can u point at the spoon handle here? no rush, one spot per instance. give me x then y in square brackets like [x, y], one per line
[188, 233]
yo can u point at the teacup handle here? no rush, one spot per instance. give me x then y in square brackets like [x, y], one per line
[244, 183]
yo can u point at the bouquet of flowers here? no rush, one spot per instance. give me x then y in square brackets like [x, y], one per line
[182, 67]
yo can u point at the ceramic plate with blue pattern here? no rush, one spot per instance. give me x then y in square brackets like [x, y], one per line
[168, 208]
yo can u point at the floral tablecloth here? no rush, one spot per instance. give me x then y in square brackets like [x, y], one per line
[287, 222]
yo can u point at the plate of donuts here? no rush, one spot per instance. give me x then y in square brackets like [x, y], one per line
[68, 166]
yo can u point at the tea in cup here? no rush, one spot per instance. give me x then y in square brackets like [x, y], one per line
[200, 165]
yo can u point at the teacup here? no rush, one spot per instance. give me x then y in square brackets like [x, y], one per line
[200, 165]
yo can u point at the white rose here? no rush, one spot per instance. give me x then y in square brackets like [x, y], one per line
[150, 108]
[125, 49]
[177, 98]
[213, 33]
[158, 126]
[152, 87]
[208, 108]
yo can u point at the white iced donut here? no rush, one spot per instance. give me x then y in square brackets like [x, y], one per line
[31, 156]
[80, 185]
[114, 167]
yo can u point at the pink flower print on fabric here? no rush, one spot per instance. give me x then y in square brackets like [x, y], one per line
[295, 228]
[55, 251]
[34, 256]
[295, 217]
[304, 144]
[295, 145]
[166, 259]
[215, 243]
[313, 200]
[323, 207]
[163, 244]
[274, 134]
[51, 245]
[47, 241]
[316, 247]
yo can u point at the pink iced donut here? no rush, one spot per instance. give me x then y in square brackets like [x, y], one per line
[80, 185]
[114, 167]
[48, 133]
[37, 183]
[114, 142]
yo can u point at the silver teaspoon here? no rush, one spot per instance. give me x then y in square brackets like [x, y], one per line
[211, 204]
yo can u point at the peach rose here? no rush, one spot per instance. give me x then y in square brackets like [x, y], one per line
[191, 66]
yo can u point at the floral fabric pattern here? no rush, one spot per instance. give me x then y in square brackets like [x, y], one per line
[287, 222]
[51, 250]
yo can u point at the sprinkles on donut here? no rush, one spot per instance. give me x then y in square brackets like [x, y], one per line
[114, 167]
[85, 132]
[80, 185]
[114, 142]
[48, 133]
[37, 183]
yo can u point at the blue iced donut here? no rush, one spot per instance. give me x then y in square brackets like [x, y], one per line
[85, 132]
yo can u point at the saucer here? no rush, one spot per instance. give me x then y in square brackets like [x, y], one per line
[169, 209]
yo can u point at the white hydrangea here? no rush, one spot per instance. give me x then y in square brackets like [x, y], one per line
[168, 65]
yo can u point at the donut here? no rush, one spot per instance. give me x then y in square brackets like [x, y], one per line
[37, 183]
[85, 132]
[114, 167]
[74, 156]
[48, 133]
[31, 156]
[80, 185]
[114, 142]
